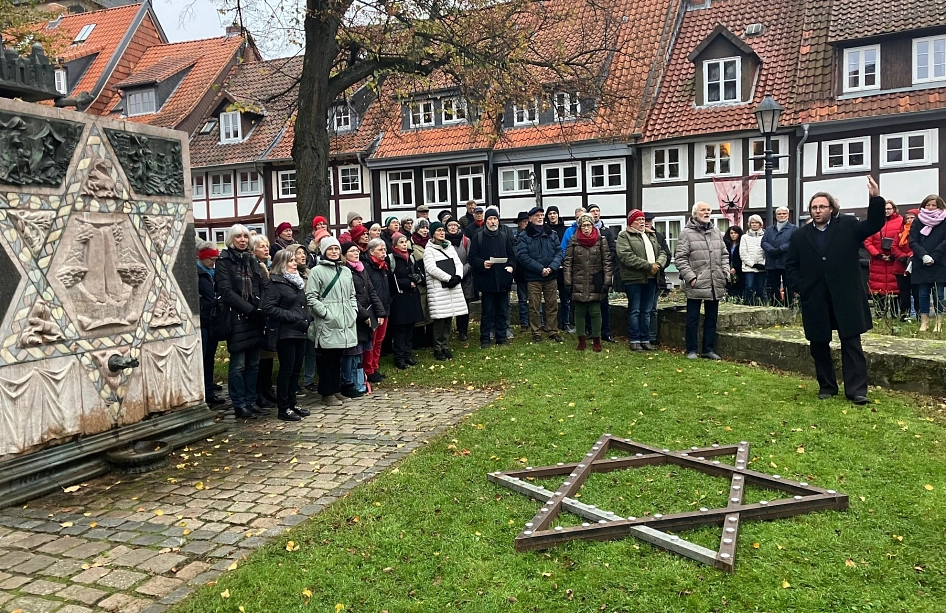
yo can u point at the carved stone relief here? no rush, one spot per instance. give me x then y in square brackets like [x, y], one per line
[41, 328]
[154, 166]
[33, 226]
[177, 360]
[99, 183]
[102, 270]
[165, 313]
[159, 226]
[34, 150]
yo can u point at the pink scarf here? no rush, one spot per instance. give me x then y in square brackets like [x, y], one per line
[930, 219]
[357, 265]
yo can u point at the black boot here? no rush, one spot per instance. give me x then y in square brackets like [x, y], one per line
[439, 355]
[448, 353]
[261, 408]
[244, 413]
[409, 362]
[301, 411]
[289, 415]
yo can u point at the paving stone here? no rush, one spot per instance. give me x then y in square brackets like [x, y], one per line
[82, 593]
[61, 545]
[14, 559]
[162, 563]
[155, 608]
[202, 535]
[192, 570]
[91, 575]
[229, 538]
[148, 539]
[122, 537]
[32, 604]
[159, 587]
[177, 595]
[14, 582]
[135, 557]
[87, 551]
[41, 587]
[113, 554]
[74, 608]
[99, 534]
[207, 577]
[33, 541]
[124, 603]
[63, 568]
[293, 520]
[122, 579]
[222, 552]
[198, 548]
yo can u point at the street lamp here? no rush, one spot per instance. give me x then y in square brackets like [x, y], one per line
[767, 115]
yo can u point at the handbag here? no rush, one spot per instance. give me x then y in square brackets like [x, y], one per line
[886, 243]
[448, 266]
[221, 326]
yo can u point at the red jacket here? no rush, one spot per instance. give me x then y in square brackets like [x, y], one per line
[883, 274]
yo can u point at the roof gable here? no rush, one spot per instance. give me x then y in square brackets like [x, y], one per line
[721, 30]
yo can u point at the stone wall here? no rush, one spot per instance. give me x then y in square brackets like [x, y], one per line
[96, 260]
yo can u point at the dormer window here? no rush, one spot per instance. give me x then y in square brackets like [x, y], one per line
[862, 68]
[83, 34]
[140, 103]
[342, 118]
[721, 81]
[422, 114]
[526, 115]
[230, 129]
[929, 59]
[62, 85]
[454, 110]
[567, 106]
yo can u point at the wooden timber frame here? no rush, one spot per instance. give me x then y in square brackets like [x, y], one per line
[539, 532]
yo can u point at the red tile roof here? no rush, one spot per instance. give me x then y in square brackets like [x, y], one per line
[674, 113]
[209, 58]
[856, 19]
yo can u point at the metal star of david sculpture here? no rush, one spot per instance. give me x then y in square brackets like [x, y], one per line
[539, 532]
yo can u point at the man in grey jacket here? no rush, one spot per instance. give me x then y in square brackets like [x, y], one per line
[703, 263]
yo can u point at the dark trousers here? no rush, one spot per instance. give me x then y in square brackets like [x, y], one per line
[328, 363]
[264, 380]
[853, 367]
[711, 313]
[906, 291]
[777, 280]
[209, 348]
[565, 301]
[463, 324]
[402, 341]
[291, 352]
[494, 316]
[441, 333]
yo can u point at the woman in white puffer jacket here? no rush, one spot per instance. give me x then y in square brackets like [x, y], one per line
[753, 261]
[444, 293]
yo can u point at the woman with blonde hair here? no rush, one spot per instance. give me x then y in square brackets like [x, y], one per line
[265, 398]
[753, 261]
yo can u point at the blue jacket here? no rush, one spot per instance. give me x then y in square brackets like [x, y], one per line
[775, 245]
[538, 248]
[568, 236]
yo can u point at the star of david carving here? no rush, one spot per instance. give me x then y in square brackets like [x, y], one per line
[539, 532]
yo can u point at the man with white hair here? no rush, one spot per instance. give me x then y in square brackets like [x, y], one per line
[703, 262]
[775, 245]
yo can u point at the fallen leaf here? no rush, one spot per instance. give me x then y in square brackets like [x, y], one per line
[69, 524]
[291, 546]
[225, 593]
[158, 512]
[339, 607]
[241, 609]
[928, 487]
[199, 485]
[307, 593]
[93, 524]
[786, 585]
[71, 488]
[755, 545]
[232, 566]
[850, 563]
[800, 450]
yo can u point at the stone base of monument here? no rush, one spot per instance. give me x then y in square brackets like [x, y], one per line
[58, 467]
[140, 457]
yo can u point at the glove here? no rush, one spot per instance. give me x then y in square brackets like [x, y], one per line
[927, 260]
[606, 289]
[454, 281]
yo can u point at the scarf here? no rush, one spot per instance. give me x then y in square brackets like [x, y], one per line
[588, 241]
[443, 244]
[905, 234]
[381, 263]
[294, 278]
[649, 254]
[455, 239]
[779, 225]
[479, 224]
[356, 265]
[930, 219]
[243, 274]
[283, 244]
[705, 226]
[209, 271]
[404, 254]
[420, 241]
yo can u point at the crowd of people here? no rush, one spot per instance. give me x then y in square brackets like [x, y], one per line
[325, 306]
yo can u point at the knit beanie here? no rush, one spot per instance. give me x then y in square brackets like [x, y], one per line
[346, 246]
[352, 216]
[388, 220]
[634, 215]
[492, 212]
[327, 242]
[319, 219]
[283, 226]
[436, 226]
[358, 231]
[319, 235]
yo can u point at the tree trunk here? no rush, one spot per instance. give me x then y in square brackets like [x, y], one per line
[310, 150]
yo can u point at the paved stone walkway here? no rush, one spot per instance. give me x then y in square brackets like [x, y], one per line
[142, 543]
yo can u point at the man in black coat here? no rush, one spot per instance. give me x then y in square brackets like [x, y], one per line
[493, 279]
[823, 266]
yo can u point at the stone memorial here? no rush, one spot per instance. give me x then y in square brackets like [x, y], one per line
[99, 323]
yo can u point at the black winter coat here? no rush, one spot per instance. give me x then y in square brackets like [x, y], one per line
[208, 297]
[828, 278]
[246, 318]
[381, 281]
[405, 305]
[485, 245]
[934, 246]
[369, 304]
[285, 303]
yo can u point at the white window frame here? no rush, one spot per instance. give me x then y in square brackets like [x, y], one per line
[780, 147]
[203, 233]
[846, 75]
[681, 167]
[62, 81]
[929, 148]
[517, 180]
[353, 188]
[249, 183]
[561, 178]
[660, 224]
[286, 184]
[83, 34]
[722, 81]
[931, 59]
[606, 165]
[439, 179]
[457, 109]
[422, 109]
[701, 153]
[142, 102]
[847, 167]
[471, 174]
[525, 115]
[570, 104]
[403, 181]
[341, 118]
[231, 127]
[221, 185]
[198, 186]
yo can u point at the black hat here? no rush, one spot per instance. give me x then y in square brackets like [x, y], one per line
[522, 216]
[593, 206]
[492, 212]
[535, 209]
[648, 216]
[552, 208]
[443, 216]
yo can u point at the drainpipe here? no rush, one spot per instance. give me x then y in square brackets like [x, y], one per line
[798, 171]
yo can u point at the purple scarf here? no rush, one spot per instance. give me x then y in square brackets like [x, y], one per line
[930, 219]
[358, 266]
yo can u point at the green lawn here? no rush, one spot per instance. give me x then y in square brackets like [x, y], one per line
[434, 535]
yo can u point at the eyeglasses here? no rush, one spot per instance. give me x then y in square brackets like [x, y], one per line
[820, 207]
